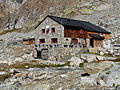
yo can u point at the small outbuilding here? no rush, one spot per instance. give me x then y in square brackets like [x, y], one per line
[28, 41]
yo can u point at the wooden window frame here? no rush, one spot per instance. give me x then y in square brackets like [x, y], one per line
[54, 40]
[53, 30]
[43, 31]
[40, 41]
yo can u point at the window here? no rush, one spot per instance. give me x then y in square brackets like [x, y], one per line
[43, 30]
[42, 41]
[65, 45]
[72, 31]
[81, 32]
[54, 40]
[66, 39]
[53, 30]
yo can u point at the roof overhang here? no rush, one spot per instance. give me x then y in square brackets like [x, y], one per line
[76, 24]
[99, 37]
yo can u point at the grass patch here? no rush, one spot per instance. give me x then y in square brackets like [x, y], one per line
[63, 69]
[7, 31]
[88, 53]
[81, 64]
[67, 63]
[86, 11]
[3, 67]
[5, 76]
[117, 60]
[32, 64]
[105, 55]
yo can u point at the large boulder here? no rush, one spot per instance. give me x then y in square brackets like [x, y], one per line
[63, 75]
[88, 81]
[3, 61]
[27, 57]
[2, 73]
[100, 58]
[83, 57]
[114, 76]
[101, 53]
[19, 59]
[21, 75]
[75, 61]
[88, 57]
[93, 68]
[110, 58]
[93, 50]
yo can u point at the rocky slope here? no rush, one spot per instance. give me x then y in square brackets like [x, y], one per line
[27, 13]
[17, 21]
[19, 17]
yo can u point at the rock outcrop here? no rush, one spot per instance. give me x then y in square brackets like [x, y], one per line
[26, 14]
[93, 68]
[114, 76]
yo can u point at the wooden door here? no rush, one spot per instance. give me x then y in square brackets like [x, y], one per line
[75, 41]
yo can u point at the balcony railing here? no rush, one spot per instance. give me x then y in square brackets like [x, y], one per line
[42, 46]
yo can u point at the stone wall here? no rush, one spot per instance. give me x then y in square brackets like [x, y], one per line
[63, 53]
[107, 43]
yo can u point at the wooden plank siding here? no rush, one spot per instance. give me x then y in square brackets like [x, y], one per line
[97, 43]
[107, 36]
[72, 33]
[28, 41]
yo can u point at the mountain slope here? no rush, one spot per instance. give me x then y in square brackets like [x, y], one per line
[26, 14]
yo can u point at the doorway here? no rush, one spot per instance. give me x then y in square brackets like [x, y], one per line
[91, 42]
[38, 54]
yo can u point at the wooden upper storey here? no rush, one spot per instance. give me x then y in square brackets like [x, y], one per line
[82, 33]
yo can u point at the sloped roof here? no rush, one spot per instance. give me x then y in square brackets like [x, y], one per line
[77, 23]
[99, 37]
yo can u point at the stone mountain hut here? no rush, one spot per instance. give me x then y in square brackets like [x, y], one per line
[55, 31]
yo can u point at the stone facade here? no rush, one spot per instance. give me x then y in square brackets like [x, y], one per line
[47, 25]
